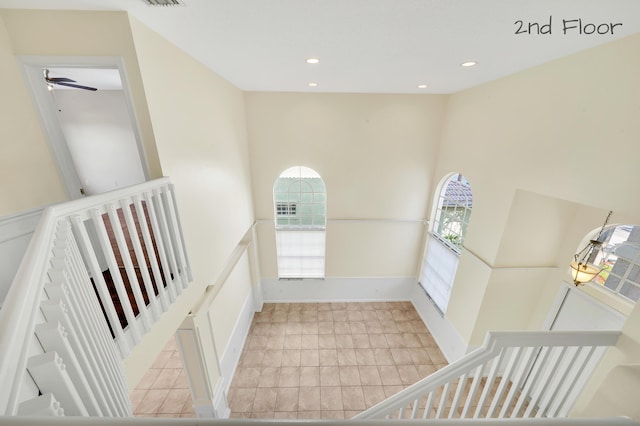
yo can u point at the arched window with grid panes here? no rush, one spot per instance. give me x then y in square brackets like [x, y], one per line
[448, 227]
[619, 261]
[300, 206]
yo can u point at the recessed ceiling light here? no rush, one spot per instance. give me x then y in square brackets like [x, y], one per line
[468, 64]
[313, 60]
[313, 84]
[422, 86]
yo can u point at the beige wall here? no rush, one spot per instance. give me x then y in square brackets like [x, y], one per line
[199, 125]
[193, 129]
[79, 34]
[376, 154]
[28, 174]
[548, 152]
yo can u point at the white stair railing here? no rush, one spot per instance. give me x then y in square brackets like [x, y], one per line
[141, 421]
[513, 375]
[98, 273]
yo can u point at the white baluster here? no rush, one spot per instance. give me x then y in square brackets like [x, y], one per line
[107, 250]
[504, 381]
[532, 385]
[172, 188]
[86, 247]
[49, 373]
[416, 406]
[162, 252]
[178, 241]
[545, 389]
[53, 338]
[475, 384]
[456, 398]
[428, 405]
[443, 400]
[57, 310]
[123, 247]
[98, 328]
[86, 341]
[41, 406]
[166, 237]
[518, 381]
[566, 402]
[151, 254]
[134, 236]
[489, 383]
[566, 369]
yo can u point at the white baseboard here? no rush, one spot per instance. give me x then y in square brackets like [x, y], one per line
[231, 354]
[361, 289]
[453, 347]
[341, 290]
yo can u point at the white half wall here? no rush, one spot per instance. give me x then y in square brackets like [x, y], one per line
[446, 336]
[231, 353]
[332, 289]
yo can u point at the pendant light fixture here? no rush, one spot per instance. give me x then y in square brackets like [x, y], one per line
[582, 271]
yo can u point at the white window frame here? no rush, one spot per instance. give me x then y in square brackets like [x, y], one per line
[440, 262]
[456, 194]
[616, 247]
[300, 246]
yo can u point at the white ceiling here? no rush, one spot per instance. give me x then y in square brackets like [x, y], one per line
[368, 46]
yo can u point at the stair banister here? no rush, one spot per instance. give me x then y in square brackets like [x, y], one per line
[60, 259]
[495, 348]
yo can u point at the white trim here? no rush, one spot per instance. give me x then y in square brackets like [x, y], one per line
[15, 233]
[609, 314]
[19, 224]
[451, 344]
[556, 305]
[32, 71]
[231, 354]
[334, 289]
[221, 407]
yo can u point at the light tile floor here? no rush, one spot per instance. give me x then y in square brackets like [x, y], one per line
[164, 390]
[329, 360]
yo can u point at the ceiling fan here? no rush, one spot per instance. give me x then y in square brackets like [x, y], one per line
[64, 81]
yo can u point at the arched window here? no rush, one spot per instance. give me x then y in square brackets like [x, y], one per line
[300, 206]
[620, 261]
[452, 211]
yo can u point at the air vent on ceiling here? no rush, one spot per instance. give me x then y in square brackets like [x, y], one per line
[164, 2]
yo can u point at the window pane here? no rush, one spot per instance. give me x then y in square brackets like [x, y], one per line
[300, 252]
[612, 282]
[634, 275]
[449, 228]
[631, 291]
[620, 267]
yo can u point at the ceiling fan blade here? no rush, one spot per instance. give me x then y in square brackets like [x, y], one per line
[59, 79]
[76, 86]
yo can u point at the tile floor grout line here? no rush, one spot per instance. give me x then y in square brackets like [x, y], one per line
[402, 344]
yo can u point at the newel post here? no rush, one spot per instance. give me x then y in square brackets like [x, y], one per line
[195, 341]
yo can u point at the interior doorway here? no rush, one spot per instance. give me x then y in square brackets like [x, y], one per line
[87, 115]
